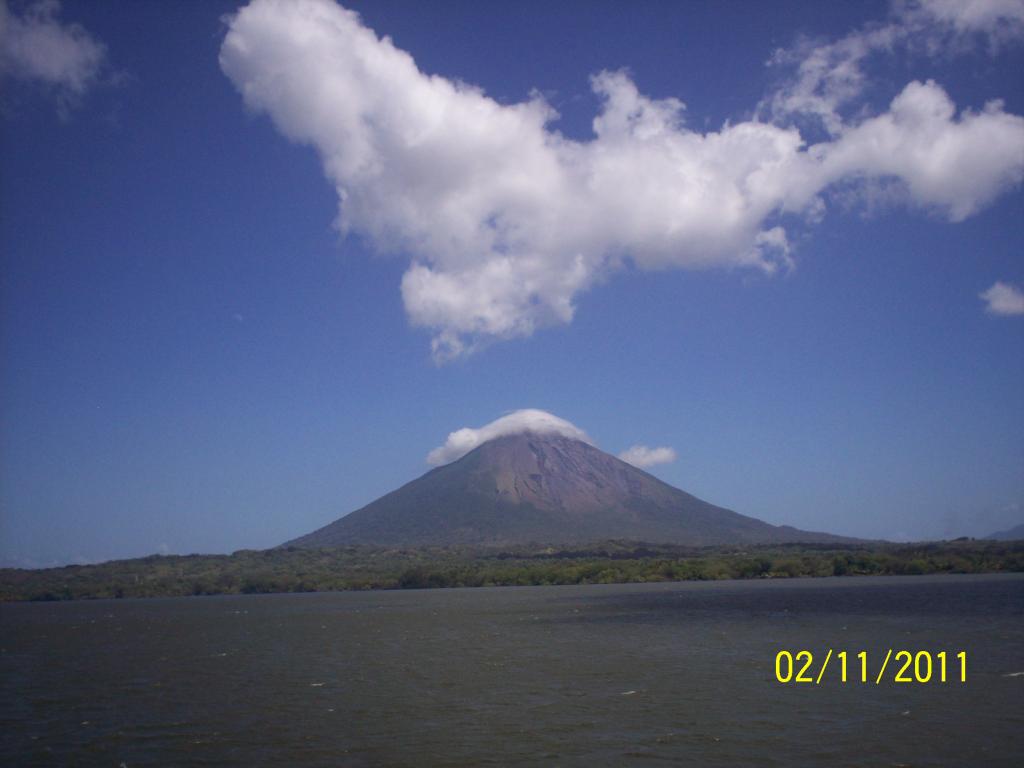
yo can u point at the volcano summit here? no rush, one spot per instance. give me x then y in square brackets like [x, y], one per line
[542, 486]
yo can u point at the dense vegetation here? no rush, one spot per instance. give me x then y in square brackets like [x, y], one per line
[305, 570]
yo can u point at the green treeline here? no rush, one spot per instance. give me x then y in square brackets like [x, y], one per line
[348, 568]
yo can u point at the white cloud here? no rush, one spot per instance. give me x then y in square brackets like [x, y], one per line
[464, 440]
[830, 75]
[955, 164]
[999, 20]
[827, 76]
[642, 456]
[36, 46]
[505, 220]
[1003, 299]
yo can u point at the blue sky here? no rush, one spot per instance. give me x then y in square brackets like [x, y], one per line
[768, 254]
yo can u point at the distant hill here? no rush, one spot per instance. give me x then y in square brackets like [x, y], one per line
[1011, 534]
[546, 488]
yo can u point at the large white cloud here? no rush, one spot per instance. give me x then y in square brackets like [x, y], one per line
[34, 45]
[464, 440]
[506, 221]
[1003, 299]
[643, 456]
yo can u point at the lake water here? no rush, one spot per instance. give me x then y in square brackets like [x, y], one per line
[673, 674]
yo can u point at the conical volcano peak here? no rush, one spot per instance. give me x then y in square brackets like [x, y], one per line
[536, 478]
[526, 421]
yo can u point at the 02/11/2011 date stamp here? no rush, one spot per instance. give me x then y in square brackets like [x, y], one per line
[901, 666]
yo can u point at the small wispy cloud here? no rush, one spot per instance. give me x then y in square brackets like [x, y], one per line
[36, 46]
[462, 441]
[830, 75]
[1003, 299]
[643, 456]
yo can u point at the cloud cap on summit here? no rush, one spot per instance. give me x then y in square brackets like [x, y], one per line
[462, 441]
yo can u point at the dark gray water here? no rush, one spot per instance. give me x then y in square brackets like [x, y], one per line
[676, 674]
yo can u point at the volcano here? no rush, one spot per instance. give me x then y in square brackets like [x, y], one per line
[531, 488]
